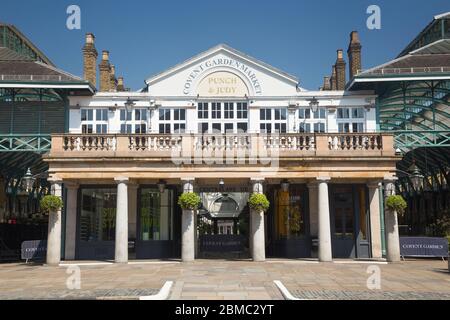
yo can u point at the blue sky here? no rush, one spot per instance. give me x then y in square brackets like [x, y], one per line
[146, 37]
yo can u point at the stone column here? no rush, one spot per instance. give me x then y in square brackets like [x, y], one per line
[258, 247]
[54, 229]
[121, 243]
[325, 250]
[71, 219]
[188, 232]
[375, 226]
[391, 221]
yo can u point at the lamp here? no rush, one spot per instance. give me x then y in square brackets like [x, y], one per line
[415, 176]
[28, 181]
[129, 104]
[161, 186]
[314, 104]
[285, 185]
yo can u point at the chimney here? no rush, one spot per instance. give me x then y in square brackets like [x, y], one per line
[354, 54]
[90, 60]
[333, 78]
[326, 83]
[340, 70]
[120, 85]
[105, 68]
[113, 80]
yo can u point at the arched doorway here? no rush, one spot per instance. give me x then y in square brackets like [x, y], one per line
[223, 225]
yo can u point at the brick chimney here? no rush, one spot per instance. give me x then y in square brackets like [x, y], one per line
[333, 78]
[113, 80]
[326, 83]
[105, 69]
[340, 70]
[90, 60]
[354, 54]
[120, 85]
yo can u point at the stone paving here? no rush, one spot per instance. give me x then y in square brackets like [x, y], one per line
[230, 280]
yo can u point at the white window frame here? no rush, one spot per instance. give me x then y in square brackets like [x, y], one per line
[272, 121]
[170, 124]
[131, 124]
[314, 119]
[352, 121]
[93, 123]
[225, 105]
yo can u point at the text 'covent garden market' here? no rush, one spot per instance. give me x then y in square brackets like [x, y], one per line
[225, 125]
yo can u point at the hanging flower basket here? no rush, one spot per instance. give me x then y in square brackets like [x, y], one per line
[51, 203]
[258, 202]
[396, 203]
[189, 201]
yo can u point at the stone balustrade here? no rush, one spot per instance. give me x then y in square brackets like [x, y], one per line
[289, 144]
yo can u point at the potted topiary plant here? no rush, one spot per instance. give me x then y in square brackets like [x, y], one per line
[189, 201]
[397, 204]
[258, 202]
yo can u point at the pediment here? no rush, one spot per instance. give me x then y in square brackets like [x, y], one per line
[223, 72]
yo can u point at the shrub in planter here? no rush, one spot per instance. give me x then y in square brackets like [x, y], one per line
[258, 202]
[189, 201]
[396, 203]
[51, 203]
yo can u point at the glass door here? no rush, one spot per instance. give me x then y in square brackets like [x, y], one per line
[96, 223]
[343, 222]
[155, 223]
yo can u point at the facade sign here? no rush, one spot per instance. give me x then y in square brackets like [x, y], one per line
[222, 62]
[222, 84]
[222, 243]
[423, 247]
[34, 250]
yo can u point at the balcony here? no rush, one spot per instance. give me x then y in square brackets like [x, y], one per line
[163, 146]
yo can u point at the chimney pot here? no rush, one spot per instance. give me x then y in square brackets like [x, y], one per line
[90, 38]
[354, 37]
[340, 54]
[120, 85]
[105, 55]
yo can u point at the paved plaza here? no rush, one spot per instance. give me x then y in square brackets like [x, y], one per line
[224, 279]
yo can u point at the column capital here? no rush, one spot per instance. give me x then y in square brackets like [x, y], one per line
[55, 180]
[390, 179]
[323, 179]
[188, 179]
[121, 179]
[373, 184]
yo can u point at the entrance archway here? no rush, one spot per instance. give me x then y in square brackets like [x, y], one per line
[223, 225]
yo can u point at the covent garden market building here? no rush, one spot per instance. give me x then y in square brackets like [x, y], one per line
[224, 125]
